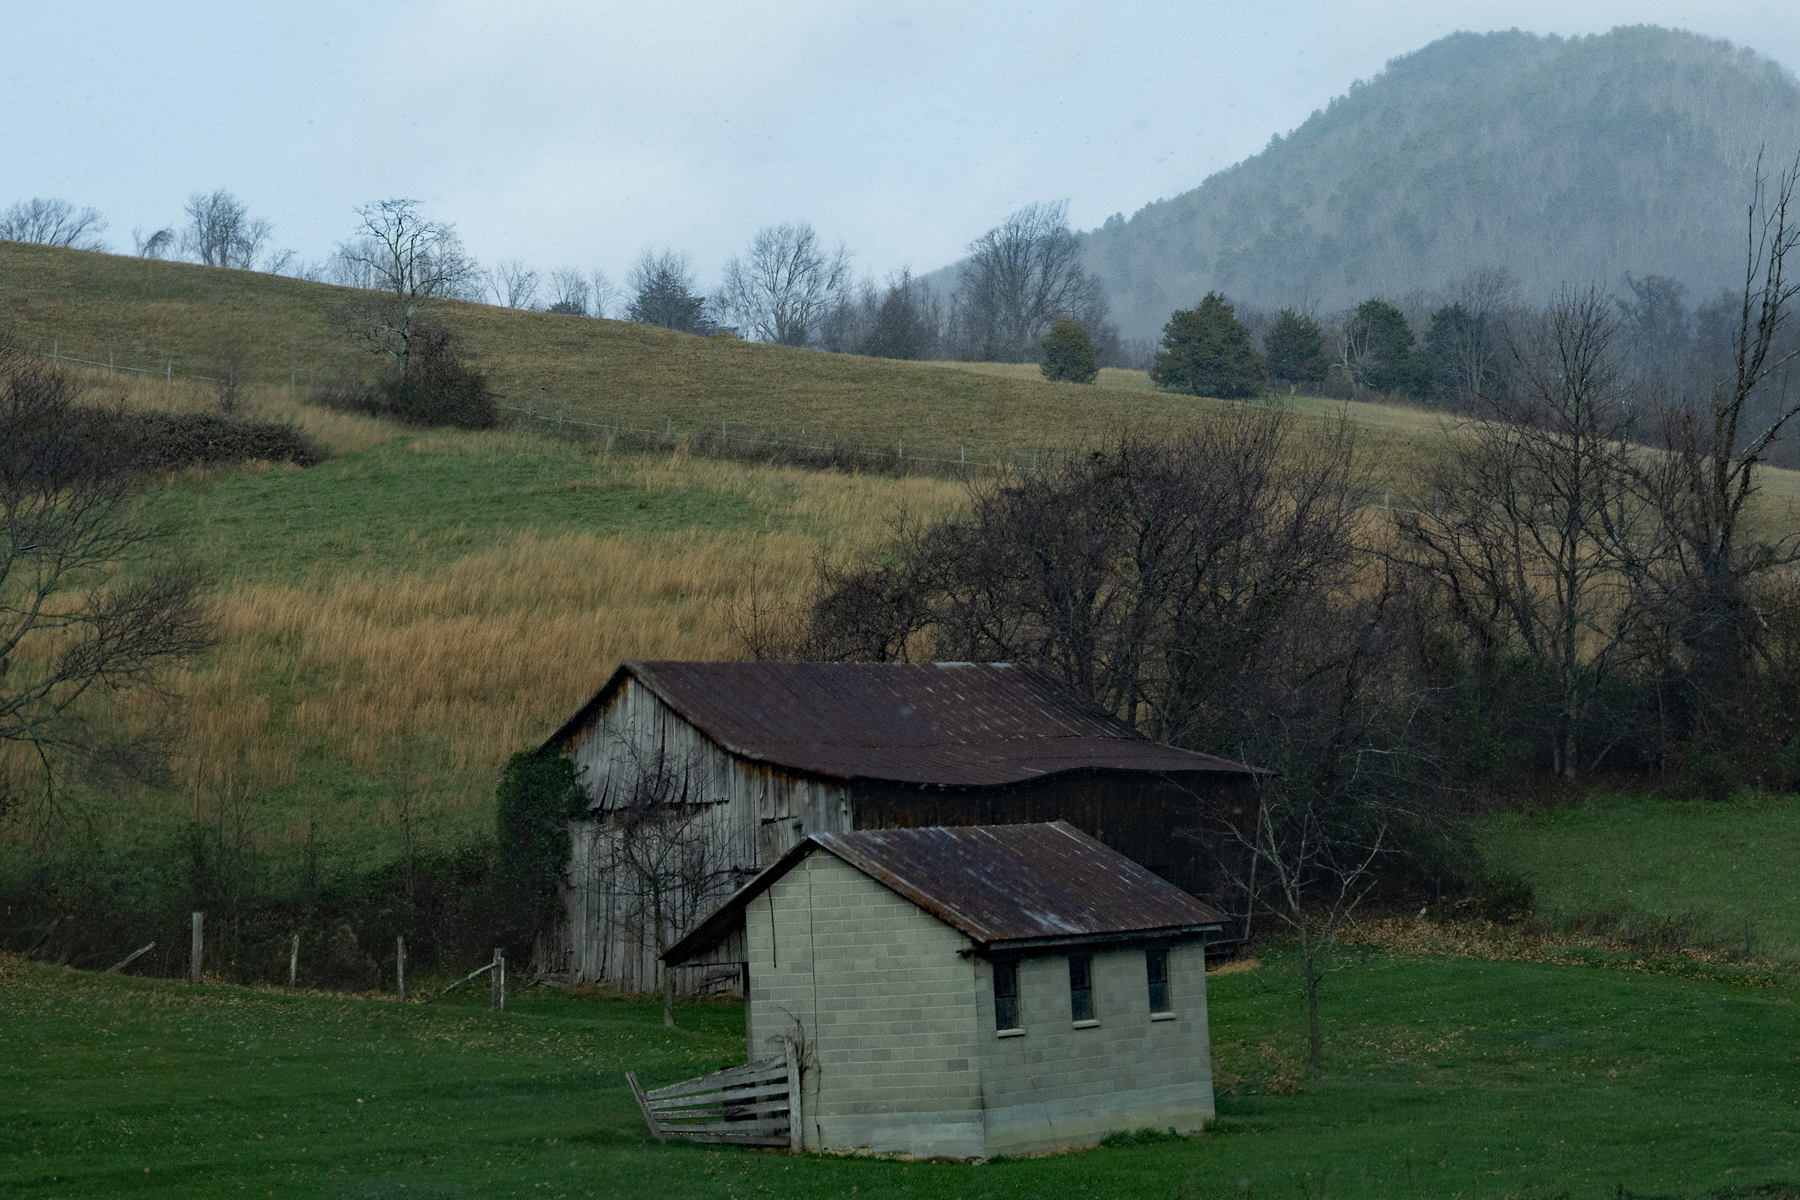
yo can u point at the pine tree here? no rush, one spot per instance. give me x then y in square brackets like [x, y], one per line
[1206, 351]
[1296, 349]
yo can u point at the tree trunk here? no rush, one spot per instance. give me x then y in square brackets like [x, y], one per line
[1309, 965]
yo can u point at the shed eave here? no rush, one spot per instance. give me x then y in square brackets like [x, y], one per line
[1003, 947]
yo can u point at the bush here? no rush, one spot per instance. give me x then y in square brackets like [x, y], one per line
[1206, 351]
[537, 796]
[440, 386]
[164, 441]
[1069, 354]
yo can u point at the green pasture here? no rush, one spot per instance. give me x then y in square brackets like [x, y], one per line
[421, 501]
[1443, 1077]
[1684, 870]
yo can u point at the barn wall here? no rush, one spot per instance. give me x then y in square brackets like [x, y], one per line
[748, 815]
[1176, 828]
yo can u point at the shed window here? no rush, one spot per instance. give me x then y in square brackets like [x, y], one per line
[1081, 987]
[1156, 966]
[1006, 995]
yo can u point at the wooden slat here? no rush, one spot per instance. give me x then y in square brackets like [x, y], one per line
[780, 1139]
[644, 1107]
[663, 1117]
[725, 1097]
[741, 1128]
[749, 1073]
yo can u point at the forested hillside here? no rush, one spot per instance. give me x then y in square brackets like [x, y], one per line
[1561, 160]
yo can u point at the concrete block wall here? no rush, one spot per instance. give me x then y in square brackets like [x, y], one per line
[1059, 1085]
[887, 1006]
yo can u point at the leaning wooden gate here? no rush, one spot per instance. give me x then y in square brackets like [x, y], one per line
[757, 1104]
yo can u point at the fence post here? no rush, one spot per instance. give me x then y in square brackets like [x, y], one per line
[400, 965]
[169, 373]
[293, 961]
[54, 346]
[109, 366]
[497, 982]
[796, 1122]
[195, 955]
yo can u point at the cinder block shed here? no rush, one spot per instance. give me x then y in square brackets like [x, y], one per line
[972, 991]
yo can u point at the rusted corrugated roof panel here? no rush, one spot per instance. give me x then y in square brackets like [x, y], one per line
[955, 724]
[999, 884]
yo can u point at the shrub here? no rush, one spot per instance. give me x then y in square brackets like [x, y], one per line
[1069, 354]
[537, 795]
[164, 441]
[441, 385]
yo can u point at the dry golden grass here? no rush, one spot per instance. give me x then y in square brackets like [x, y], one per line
[428, 680]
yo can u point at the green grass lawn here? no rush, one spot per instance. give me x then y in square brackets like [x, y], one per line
[1444, 1077]
[1634, 863]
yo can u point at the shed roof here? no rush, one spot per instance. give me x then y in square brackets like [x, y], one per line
[956, 724]
[1005, 886]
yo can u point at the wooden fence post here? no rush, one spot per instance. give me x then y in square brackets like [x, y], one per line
[400, 965]
[497, 982]
[195, 955]
[293, 961]
[796, 1127]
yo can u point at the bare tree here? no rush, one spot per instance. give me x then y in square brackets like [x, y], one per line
[514, 285]
[1522, 517]
[665, 852]
[606, 294]
[1020, 276]
[410, 261]
[784, 286]
[89, 606]
[569, 292]
[51, 222]
[1319, 866]
[221, 232]
[1702, 486]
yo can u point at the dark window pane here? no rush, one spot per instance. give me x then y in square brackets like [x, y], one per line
[1006, 996]
[1156, 965]
[1081, 988]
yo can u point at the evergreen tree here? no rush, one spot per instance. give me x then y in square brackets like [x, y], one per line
[1382, 353]
[1069, 355]
[1206, 351]
[1296, 349]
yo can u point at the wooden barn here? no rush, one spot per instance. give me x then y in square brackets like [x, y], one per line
[968, 992]
[703, 774]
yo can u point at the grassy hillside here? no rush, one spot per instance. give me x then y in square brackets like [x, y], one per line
[1444, 1076]
[147, 314]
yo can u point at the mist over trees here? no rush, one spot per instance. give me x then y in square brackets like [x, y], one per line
[782, 288]
[1019, 278]
[664, 292]
[1558, 160]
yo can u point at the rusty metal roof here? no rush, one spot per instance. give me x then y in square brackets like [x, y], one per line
[1005, 886]
[955, 724]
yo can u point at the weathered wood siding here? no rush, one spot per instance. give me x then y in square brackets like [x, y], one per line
[752, 815]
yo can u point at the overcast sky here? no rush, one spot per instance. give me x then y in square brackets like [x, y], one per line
[577, 134]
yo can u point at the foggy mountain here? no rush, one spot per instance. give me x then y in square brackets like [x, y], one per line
[1563, 160]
